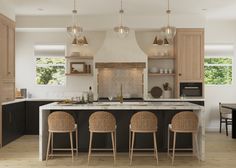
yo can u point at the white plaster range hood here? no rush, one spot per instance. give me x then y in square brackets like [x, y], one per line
[120, 54]
[116, 49]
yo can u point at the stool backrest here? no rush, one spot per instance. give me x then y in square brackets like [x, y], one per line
[186, 121]
[102, 121]
[60, 121]
[144, 121]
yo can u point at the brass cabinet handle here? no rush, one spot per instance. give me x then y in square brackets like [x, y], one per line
[180, 74]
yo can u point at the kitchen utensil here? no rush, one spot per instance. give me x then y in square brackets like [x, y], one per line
[156, 92]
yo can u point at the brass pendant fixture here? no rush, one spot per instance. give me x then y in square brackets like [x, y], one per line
[82, 41]
[169, 31]
[75, 30]
[121, 30]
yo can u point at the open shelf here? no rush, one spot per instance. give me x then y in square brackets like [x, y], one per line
[161, 57]
[79, 57]
[79, 74]
[161, 74]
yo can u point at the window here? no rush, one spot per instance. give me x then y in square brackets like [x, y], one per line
[50, 64]
[218, 64]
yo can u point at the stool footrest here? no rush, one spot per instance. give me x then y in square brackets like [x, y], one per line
[63, 149]
[181, 149]
[143, 149]
[101, 149]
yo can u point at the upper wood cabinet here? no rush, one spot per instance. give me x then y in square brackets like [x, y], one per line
[189, 51]
[7, 49]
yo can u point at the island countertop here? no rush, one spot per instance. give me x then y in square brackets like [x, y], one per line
[124, 106]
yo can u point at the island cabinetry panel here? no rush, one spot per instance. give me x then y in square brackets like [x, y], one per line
[189, 51]
[32, 116]
[13, 122]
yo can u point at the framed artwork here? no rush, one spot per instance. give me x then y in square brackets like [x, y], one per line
[77, 67]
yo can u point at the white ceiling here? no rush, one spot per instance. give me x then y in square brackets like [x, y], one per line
[216, 9]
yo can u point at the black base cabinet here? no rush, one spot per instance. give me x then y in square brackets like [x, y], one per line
[13, 122]
[32, 116]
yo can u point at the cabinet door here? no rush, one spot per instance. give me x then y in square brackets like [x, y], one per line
[7, 91]
[32, 116]
[7, 125]
[3, 49]
[11, 53]
[190, 54]
[7, 49]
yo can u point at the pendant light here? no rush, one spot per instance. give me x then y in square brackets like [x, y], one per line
[121, 30]
[169, 31]
[75, 30]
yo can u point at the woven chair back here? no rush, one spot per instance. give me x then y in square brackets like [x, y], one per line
[144, 121]
[185, 122]
[60, 121]
[102, 121]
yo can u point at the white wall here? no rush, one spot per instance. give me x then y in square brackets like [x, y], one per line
[6, 10]
[25, 63]
[219, 32]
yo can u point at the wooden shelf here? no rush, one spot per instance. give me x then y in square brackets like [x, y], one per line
[79, 57]
[161, 57]
[79, 74]
[163, 74]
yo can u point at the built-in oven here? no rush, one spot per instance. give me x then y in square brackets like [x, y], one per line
[190, 89]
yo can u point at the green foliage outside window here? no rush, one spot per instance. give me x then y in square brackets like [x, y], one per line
[218, 71]
[50, 71]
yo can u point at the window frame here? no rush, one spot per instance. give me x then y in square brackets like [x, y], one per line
[45, 65]
[229, 65]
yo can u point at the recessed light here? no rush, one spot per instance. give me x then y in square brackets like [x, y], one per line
[40, 9]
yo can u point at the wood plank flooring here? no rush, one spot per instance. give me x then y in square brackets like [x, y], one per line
[23, 153]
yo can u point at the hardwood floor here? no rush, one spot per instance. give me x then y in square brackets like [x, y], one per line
[220, 152]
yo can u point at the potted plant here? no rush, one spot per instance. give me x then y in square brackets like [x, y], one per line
[167, 91]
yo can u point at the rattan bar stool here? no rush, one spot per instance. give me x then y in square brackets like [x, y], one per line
[142, 122]
[102, 122]
[61, 122]
[184, 122]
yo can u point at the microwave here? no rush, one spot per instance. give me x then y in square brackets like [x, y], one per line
[190, 89]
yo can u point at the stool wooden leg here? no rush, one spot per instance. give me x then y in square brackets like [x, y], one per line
[52, 144]
[49, 138]
[129, 142]
[173, 154]
[196, 146]
[155, 146]
[72, 147]
[90, 146]
[168, 139]
[77, 143]
[113, 146]
[132, 147]
[193, 145]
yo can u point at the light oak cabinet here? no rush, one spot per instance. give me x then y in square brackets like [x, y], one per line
[7, 59]
[7, 49]
[189, 52]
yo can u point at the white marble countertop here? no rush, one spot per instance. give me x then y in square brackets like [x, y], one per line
[124, 106]
[177, 99]
[59, 99]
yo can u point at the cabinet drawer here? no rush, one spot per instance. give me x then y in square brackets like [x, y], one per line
[8, 91]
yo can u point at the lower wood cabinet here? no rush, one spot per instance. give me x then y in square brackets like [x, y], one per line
[13, 122]
[7, 91]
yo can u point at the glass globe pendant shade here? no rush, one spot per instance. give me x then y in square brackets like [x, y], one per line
[122, 31]
[74, 30]
[169, 32]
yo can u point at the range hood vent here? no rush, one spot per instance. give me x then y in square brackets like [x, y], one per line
[120, 65]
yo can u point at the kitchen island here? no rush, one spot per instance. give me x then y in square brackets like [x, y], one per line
[122, 112]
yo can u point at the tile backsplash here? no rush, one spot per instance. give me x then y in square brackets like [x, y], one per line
[111, 79]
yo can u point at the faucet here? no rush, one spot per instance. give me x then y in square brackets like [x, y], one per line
[121, 94]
